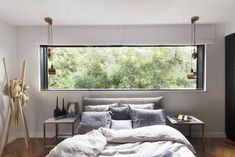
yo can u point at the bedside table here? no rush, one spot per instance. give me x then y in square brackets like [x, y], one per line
[56, 122]
[172, 119]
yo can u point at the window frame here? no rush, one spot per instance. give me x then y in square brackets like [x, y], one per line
[200, 82]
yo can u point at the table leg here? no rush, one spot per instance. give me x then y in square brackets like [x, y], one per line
[190, 132]
[72, 129]
[44, 135]
[56, 131]
[203, 140]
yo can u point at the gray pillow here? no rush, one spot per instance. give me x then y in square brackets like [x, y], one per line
[99, 108]
[143, 117]
[119, 113]
[121, 124]
[149, 106]
[94, 120]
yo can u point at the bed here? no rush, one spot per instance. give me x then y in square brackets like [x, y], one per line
[148, 135]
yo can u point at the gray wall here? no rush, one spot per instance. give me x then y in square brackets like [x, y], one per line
[230, 28]
[8, 49]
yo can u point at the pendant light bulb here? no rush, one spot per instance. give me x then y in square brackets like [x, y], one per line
[49, 53]
[194, 54]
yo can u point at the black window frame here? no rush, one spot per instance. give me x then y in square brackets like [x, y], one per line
[44, 68]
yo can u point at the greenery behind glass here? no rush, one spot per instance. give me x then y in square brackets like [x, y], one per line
[121, 68]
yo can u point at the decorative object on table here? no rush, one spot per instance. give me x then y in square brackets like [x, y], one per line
[63, 111]
[51, 70]
[72, 109]
[192, 73]
[57, 111]
[181, 118]
[17, 92]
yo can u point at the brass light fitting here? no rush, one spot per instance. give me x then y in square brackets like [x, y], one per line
[194, 19]
[49, 21]
[51, 70]
[193, 74]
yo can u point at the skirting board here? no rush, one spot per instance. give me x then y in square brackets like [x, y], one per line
[194, 134]
[210, 134]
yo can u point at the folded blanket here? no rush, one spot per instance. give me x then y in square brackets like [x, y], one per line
[164, 140]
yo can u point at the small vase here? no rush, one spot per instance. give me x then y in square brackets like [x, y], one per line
[63, 112]
[57, 111]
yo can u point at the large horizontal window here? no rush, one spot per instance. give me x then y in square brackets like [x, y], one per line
[121, 68]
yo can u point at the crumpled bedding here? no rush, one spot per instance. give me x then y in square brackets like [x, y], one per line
[150, 141]
[88, 145]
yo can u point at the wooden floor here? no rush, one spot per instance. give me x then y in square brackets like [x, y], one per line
[214, 147]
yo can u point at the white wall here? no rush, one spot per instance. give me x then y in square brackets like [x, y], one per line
[230, 28]
[8, 49]
[207, 105]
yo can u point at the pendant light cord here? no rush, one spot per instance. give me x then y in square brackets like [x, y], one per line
[50, 39]
[191, 45]
[51, 34]
[48, 34]
[194, 34]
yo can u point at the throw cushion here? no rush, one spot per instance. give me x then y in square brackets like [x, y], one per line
[94, 120]
[120, 113]
[99, 108]
[143, 117]
[121, 124]
[149, 106]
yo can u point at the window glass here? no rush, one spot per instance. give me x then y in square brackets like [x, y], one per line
[120, 68]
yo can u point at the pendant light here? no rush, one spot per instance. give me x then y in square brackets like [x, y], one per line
[193, 74]
[48, 20]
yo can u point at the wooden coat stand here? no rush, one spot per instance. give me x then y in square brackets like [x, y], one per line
[11, 111]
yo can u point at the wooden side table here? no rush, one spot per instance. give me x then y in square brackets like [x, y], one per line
[193, 121]
[56, 122]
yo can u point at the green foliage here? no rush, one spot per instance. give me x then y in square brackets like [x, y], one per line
[121, 68]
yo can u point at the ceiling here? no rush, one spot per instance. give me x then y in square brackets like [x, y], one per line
[115, 12]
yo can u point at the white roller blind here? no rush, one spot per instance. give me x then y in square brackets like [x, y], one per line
[120, 35]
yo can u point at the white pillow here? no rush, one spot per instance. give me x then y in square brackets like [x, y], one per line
[121, 124]
[149, 106]
[99, 108]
